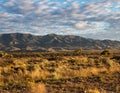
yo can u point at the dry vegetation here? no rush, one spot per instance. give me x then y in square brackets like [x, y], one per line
[62, 72]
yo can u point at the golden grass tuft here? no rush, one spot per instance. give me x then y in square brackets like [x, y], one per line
[92, 91]
[38, 88]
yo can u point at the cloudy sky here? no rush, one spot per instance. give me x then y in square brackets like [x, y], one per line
[88, 18]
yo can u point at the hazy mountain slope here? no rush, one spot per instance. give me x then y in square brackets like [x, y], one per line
[28, 42]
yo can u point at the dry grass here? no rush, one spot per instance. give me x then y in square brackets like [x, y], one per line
[59, 73]
[92, 91]
[38, 88]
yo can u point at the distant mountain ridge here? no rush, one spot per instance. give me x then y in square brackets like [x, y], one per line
[51, 42]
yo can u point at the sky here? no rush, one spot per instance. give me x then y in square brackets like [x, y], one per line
[98, 19]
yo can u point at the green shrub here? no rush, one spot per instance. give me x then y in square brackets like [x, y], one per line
[106, 52]
[78, 51]
[6, 55]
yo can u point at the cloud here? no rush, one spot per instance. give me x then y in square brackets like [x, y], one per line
[88, 18]
[82, 25]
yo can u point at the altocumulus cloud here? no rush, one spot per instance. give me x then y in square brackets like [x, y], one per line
[94, 18]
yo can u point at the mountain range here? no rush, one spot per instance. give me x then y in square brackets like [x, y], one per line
[52, 42]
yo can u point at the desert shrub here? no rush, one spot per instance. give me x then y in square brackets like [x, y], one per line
[6, 55]
[19, 70]
[31, 68]
[106, 52]
[72, 61]
[107, 62]
[6, 62]
[78, 51]
[1, 54]
[91, 62]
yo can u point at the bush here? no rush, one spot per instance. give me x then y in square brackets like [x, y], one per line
[78, 51]
[6, 55]
[106, 52]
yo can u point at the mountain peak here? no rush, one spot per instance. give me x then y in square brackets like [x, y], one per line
[52, 34]
[24, 42]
